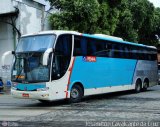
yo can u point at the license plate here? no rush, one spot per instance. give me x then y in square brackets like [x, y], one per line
[25, 95]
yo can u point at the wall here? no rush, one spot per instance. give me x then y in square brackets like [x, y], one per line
[6, 44]
[6, 6]
[30, 17]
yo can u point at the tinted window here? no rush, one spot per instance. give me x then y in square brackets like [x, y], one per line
[85, 46]
[80, 46]
[62, 56]
[102, 48]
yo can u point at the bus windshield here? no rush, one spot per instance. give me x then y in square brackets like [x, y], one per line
[28, 65]
[28, 68]
[36, 43]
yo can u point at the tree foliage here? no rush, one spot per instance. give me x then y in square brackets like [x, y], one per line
[133, 20]
[72, 15]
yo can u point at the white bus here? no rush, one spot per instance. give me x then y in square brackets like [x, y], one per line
[55, 65]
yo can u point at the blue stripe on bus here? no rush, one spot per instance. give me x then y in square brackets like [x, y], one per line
[115, 40]
[105, 72]
[29, 87]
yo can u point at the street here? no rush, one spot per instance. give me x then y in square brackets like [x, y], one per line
[121, 106]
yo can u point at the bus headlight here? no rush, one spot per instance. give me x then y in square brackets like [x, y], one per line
[43, 89]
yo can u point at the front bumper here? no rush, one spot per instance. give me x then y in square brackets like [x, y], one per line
[38, 95]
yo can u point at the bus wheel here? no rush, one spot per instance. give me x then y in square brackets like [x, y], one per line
[76, 94]
[145, 85]
[138, 86]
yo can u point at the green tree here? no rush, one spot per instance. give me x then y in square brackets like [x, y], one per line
[132, 20]
[156, 32]
[91, 16]
[124, 28]
[146, 28]
[80, 15]
[137, 21]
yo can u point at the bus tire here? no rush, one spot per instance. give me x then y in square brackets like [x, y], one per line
[76, 94]
[145, 84]
[138, 86]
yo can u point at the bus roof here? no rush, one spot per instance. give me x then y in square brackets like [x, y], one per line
[96, 36]
[116, 40]
[57, 32]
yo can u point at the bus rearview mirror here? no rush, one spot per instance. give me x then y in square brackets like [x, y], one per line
[46, 56]
[5, 55]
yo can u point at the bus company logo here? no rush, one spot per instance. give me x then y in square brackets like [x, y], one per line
[89, 58]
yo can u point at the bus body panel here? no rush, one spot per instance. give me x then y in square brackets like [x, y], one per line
[105, 72]
[57, 89]
[38, 95]
[102, 90]
[146, 70]
[112, 74]
[29, 87]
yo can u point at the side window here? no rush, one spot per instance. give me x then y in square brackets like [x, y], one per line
[77, 46]
[91, 47]
[141, 55]
[80, 46]
[153, 55]
[62, 56]
[98, 48]
[137, 53]
[126, 50]
[144, 52]
[133, 52]
[64, 45]
[115, 49]
[121, 51]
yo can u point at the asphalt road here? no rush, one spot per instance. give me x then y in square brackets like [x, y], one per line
[92, 111]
